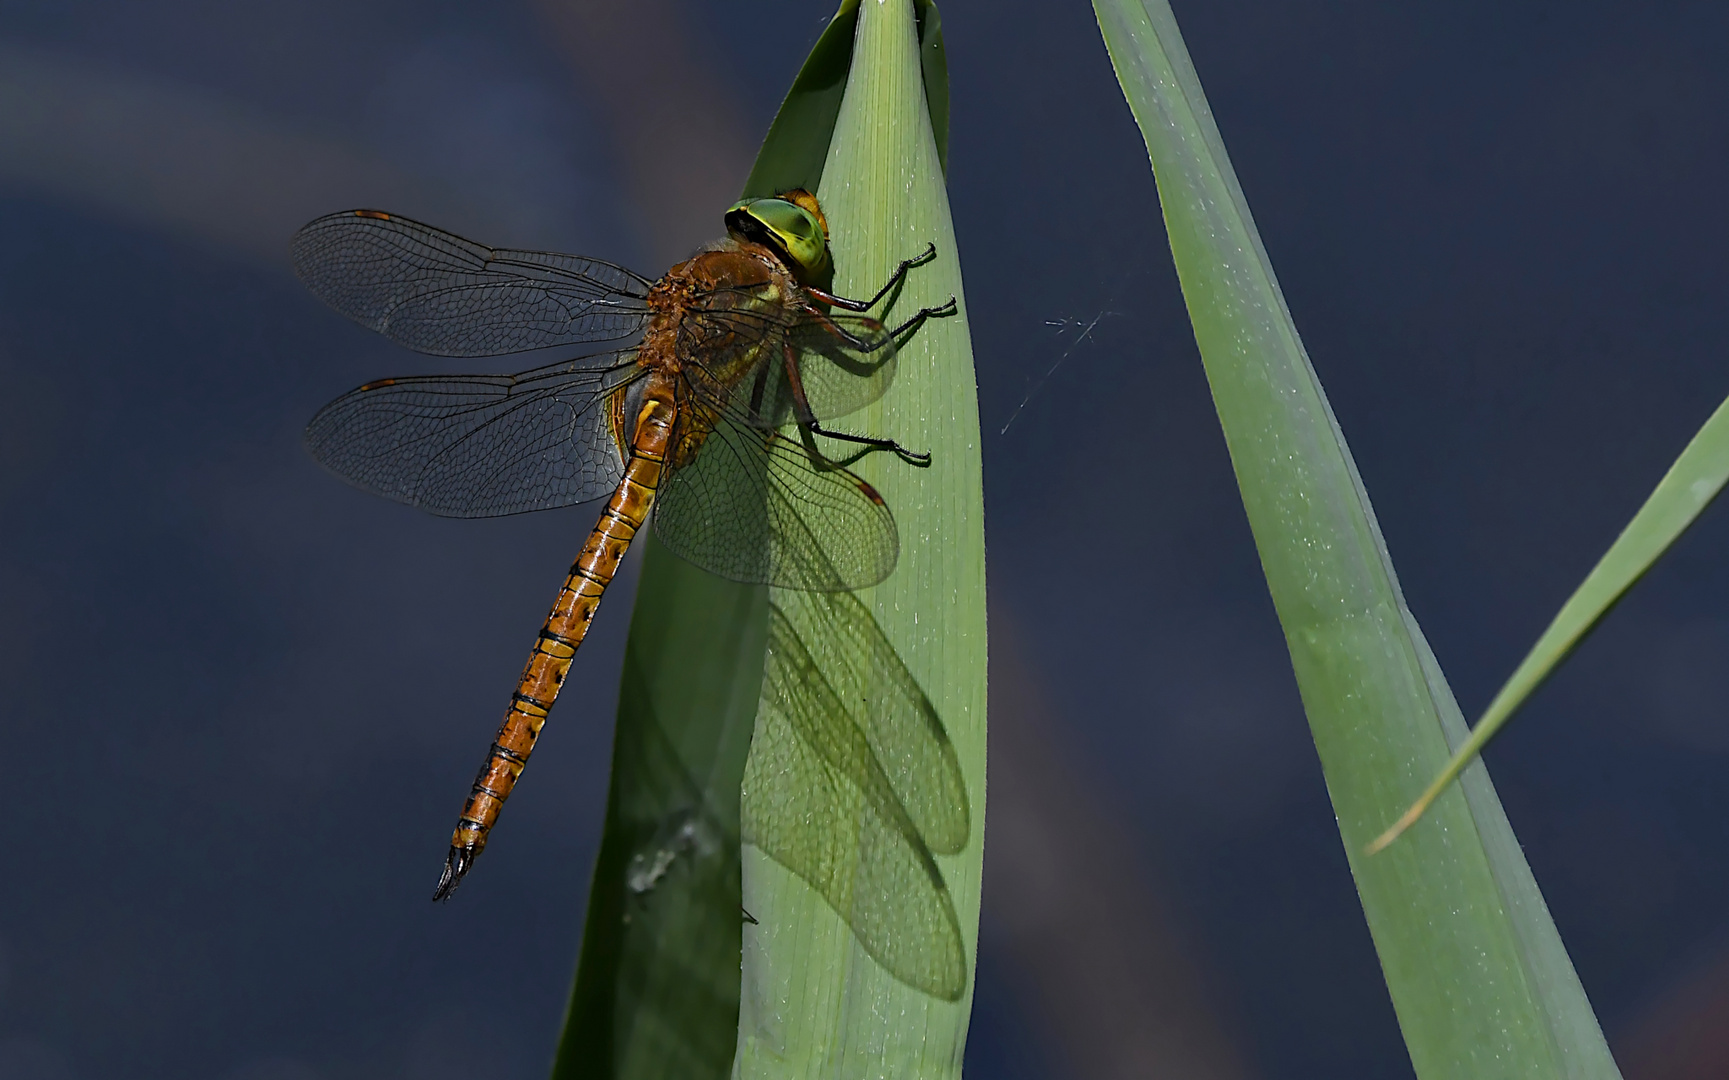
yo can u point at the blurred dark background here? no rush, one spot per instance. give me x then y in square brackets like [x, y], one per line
[239, 701]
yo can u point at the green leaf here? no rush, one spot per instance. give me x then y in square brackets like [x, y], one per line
[1682, 495]
[796, 148]
[657, 987]
[1478, 976]
[815, 1000]
[854, 785]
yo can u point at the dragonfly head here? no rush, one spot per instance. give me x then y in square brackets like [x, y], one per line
[791, 225]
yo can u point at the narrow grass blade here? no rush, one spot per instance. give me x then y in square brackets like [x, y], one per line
[1478, 976]
[1682, 495]
[814, 1000]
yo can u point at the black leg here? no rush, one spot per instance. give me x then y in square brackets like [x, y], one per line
[942, 311]
[930, 253]
[866, 345]
[872, 443]
[808, 424]
[757, 391]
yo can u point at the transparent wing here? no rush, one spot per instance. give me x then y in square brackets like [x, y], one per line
[818, 799]
[756, 506]
[844, 362]
[479, 445]
[438, 293]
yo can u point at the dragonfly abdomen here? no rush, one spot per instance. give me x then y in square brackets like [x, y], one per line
[562, 634]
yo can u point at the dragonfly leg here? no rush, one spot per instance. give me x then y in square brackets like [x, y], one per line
[929, 253]
[808, 422]
[911, 457]
[758, 390]
[865, 345]
[941, 311]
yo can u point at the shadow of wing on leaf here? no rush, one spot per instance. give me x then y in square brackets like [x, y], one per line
[852, 783]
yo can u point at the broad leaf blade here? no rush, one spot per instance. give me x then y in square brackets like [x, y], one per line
[1477, 973]
[656, 992]
[796, 148]
[657, 983]
[798, 141]
[815, 1001]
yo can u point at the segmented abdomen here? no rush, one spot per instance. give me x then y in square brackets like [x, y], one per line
[560, 637]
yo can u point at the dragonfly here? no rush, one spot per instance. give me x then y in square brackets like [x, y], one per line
[698, 400]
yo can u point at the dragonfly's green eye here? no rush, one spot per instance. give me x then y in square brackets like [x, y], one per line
[788, 228]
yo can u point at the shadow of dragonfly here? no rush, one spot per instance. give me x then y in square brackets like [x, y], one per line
[853, 785]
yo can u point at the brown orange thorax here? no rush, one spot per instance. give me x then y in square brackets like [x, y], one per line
[691, 341]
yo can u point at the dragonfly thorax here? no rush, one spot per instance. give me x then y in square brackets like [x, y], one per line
[695, 311]
[705, 335]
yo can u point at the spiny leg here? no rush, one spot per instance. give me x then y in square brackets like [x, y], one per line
[868, 345]
[941, 311]
[823, 460]
[930, 252]
[808, 422]
[911, 457]
[806, 416]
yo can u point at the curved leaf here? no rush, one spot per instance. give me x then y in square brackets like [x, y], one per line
[815, 1001]
[657, 986]
[1475, 967]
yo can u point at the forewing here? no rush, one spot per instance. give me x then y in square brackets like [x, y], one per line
[816, 800]
[478, 445]
[756, 506]
[438, 293]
